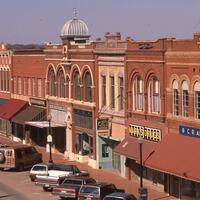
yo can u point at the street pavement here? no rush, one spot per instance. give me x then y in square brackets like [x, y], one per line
[154, 192]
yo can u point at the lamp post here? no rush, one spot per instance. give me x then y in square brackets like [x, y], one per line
[49, 138]
[142, 191]
[140, 142]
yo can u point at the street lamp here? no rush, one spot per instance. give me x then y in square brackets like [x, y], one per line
[49, 138]
[140, 142]
[142, 191]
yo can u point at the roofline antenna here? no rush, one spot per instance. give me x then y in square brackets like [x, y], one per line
[75, 13]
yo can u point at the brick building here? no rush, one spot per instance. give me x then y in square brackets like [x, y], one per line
[97, 99]
[162, 107]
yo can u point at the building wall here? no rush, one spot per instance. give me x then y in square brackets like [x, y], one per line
[145, 59]
[5, 70]
[28, 74]
[182, 61]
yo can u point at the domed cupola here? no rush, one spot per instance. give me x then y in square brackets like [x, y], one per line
[75, 29]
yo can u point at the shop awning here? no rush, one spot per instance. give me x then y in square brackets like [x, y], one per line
[44, 124]
[177, 155]
[28, 114]
[129, 147]
[11, 108]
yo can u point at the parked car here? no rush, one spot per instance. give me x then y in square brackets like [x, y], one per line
[70, 187]
[18, 156]
[57, 174]
[120, 196]
[97, 191]
[40, 169]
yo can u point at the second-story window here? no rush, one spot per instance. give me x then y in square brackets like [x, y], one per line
[61, 86]
[175, 98]
[121, 93]
[154, 95]
[39, 87]
[185, 102]
[103, 90]
[51, 83]
[197, 100]
[138, 94]
[8, 81]
[19, 85]
[112, 92]
[77, 86]
[88, 87]
[29, 87]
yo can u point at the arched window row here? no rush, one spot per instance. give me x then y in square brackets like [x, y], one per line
[153, 94]
[81, 87]
[180, 98]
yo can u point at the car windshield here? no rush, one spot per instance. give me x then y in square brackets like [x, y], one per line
[72, 181]
[39, 168]
[90, 190]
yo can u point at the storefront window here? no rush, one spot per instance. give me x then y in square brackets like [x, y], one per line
[105, 150]
[84, 144]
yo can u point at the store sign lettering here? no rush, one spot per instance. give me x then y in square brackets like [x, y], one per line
[189, 131]
[145, 132]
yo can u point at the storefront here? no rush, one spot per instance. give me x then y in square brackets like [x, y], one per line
[129, 148]
[105, 144]
[22, 132]
[176, 158]
[7, 111]
[83, 124]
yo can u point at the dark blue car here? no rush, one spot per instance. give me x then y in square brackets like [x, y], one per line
[120, 196]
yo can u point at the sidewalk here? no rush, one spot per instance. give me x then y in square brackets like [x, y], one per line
[154, 193]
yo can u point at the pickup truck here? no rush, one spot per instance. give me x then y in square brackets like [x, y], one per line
[70, 187]
[57, 174]
[97, 191]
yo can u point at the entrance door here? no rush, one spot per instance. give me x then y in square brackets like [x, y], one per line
[117, 162]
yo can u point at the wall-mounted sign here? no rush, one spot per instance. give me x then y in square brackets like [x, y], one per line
[189, 131]
[38, 102]
[147, 133]
[102, 124]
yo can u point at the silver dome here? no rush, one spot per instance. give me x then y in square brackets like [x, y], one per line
[75, 28]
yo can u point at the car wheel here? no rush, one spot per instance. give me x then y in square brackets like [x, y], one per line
[32, 179]
[2, 157]
[47, 189]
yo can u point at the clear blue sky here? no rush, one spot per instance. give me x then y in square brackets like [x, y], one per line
[39, 21]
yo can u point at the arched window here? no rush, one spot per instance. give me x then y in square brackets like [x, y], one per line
[185, 99]
[175, 97]
[61, 82]
[88, 87]
[51, 83]
[154, 95]
[197, 100]
[77, 86]
[138, 94]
